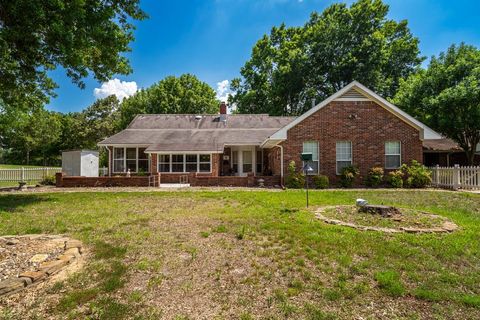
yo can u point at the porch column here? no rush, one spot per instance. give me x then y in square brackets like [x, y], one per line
[153, 163]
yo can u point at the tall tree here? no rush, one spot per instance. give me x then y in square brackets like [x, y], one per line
[185, 94]
[293, 67]
[82, 37]
[446, 96]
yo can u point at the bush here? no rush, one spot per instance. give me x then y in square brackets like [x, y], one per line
[418, 176]
[374, 177]
[294, 180]
[395, 179]
[48, 181]
[320, 181]
[348, 176]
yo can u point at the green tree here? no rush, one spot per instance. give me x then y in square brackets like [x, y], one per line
[294, 67]
[82, 37]
[446, 96]
[32, 133]
[185, 94]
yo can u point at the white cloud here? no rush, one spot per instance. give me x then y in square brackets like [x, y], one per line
[223, 90]
[121, 89]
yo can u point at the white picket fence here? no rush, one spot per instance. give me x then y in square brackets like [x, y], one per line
[27, 174]
[456, 177]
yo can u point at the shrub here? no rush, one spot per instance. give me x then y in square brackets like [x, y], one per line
[374, 177]
[48, 181]
[320, 181]
[294, 180]
[348, 175]
[418, 176]
[395, 179]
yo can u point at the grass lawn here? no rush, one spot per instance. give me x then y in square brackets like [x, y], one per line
[239, 254]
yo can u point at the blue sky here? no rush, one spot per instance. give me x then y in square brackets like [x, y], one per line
[213, 38]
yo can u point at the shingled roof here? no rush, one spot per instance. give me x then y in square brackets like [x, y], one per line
[440, 145]
[208, 133]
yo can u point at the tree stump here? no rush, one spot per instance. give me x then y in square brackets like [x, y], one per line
[384, 211]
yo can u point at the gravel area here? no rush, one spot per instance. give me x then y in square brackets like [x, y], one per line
[25, 253]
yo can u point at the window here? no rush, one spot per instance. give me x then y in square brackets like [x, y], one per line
[344, 155]
[393, 157]
[131, 159]
[184, 163]
[163, 163]
[142, 160]
[204, 163]
[191, 163]
[247, 161]
[177, 163]
[312, 147]
[118, 159]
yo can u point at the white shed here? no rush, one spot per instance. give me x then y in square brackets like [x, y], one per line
[80, 163]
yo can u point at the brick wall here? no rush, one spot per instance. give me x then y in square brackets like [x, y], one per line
[366, 124]
[69, 181]
[195, 180]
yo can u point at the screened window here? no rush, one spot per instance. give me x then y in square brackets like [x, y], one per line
[204, 163]
[393, 156]
[164, 163]
[191, 163]
[344, 155]
[131, 159]
[118, 159]
[235, 161]
[142, 160]
[177, 163]
[312, 147]
[247, 161]
[259, 160]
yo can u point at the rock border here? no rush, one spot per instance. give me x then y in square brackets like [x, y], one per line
[72, 251]
[446, 227]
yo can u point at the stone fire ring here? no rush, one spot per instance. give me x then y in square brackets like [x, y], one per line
[69, 250]
[447, 226]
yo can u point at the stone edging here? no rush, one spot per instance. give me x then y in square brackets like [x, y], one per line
[447, 226]
[72, 251]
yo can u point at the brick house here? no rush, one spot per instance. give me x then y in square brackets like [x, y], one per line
[354, 126]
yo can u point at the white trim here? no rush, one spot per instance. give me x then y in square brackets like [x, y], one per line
[352, 99]
[425, 132]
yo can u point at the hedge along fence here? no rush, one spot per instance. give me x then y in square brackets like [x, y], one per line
[27, 174]
[456, 177]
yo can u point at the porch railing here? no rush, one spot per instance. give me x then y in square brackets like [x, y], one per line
[457, 177]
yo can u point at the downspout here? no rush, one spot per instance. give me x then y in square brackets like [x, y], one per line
[109, 161]
[281, 166]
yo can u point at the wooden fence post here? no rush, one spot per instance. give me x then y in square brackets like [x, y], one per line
[23, 174]
[435, 175]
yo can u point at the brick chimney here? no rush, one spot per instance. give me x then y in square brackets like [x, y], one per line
[223, 108]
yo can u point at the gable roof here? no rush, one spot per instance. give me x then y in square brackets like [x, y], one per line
[351, 92]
